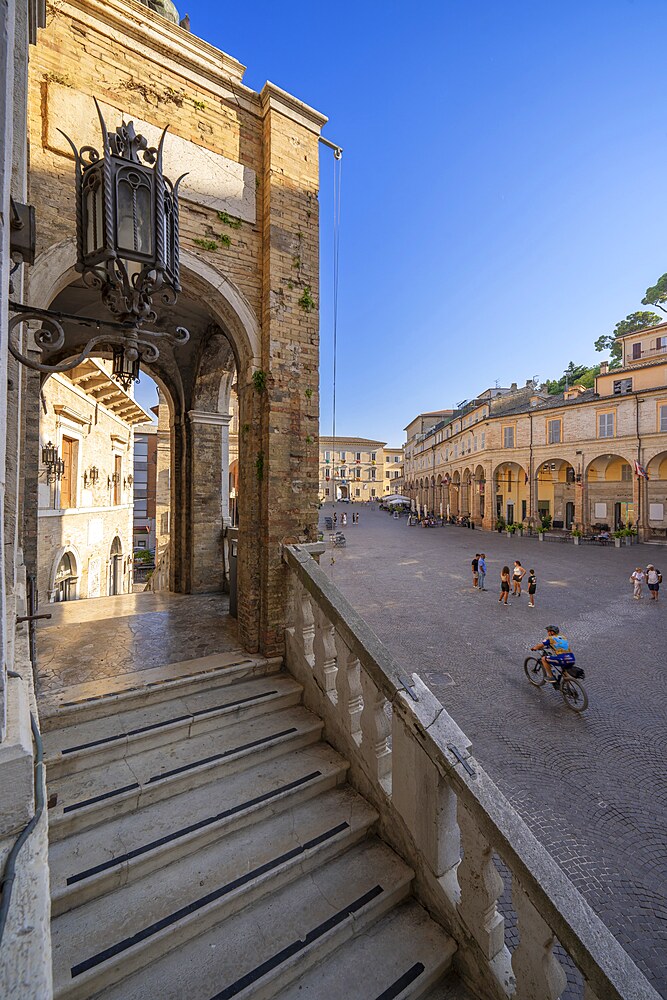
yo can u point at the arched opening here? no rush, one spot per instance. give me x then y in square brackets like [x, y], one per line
[65, 579]
[455, 494]
[656, 496]
[466, 493]
[512, 493]
[115, 570]
[479, 494]
[610, 486]
[556, 492]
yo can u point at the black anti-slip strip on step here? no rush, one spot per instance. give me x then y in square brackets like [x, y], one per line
[100, 798]
[210, 897]
[123, 858]
[402, 982]
[296, 946]
[221, 756]
[151, 684]
[168, 722]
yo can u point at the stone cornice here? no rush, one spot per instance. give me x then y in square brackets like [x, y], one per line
[275, 99]
[203, 417]
[162, 42]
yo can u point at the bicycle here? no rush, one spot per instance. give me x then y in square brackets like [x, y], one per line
[568, 681]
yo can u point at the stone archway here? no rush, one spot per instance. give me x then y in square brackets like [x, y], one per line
[656, 496]
[610, 488]
[511, 499]
[558, 493]
[65, 575]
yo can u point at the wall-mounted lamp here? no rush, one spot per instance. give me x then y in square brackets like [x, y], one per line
[91, 476]
[128, 482]
[127, 248]
[55, 467]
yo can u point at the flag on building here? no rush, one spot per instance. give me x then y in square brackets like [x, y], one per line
[640, 470]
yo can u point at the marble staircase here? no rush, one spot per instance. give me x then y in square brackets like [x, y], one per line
[204, 843]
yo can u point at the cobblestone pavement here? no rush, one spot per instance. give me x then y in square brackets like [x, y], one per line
[593, 788]
[89, 640]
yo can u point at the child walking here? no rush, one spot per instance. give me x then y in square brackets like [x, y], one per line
[504, 585]
[532, 587]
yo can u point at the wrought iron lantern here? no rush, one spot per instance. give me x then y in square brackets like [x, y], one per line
[55, 466]
[128, 482]
[127, 248]
[91, 477]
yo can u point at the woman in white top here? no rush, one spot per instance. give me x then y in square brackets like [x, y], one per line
[637, 579]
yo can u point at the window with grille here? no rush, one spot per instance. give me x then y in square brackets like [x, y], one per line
[622, 385]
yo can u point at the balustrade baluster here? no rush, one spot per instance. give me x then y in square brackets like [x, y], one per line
[304, 626]
[324, 652]
[537, 971]
[348, 689]
[375, 731]
[481, 887]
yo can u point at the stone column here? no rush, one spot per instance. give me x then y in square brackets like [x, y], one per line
[205, 501]
[225, 420]
[286, 383]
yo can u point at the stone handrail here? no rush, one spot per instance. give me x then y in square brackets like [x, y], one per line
[442, 812]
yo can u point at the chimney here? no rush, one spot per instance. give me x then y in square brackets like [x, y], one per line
[604, 367]
[513, 387]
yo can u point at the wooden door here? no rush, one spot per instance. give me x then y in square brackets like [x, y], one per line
[67, 484]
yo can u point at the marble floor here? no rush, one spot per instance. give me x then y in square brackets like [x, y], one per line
[87, 641]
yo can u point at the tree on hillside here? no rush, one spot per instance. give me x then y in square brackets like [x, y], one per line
[633, 322]
[657, 294]
[573, 375]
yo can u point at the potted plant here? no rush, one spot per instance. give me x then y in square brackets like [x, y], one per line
[618, 535]
[545, 524]
[511, 528]
[520, 527]
[500, 525]
[576, 536]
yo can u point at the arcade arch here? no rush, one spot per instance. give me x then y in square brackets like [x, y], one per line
[512, 493]
[656, 495]
[557, 492]
[610, 492]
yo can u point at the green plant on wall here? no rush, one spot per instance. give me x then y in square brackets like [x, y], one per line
[229, 220]
[259, 466]
[259, 380]
[206, 244]
[199, 105]
[309, 393]
[307, 302]
[225, 240]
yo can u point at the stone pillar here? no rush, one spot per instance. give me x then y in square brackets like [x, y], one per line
[205, 501]
[225, 420]
[286, 382]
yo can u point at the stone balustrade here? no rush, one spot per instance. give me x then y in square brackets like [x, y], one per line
[442, 812]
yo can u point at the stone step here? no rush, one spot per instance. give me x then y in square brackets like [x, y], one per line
[268, 944]
[87, 798]
[82, 745]
[111, 695]
[450, 988]
[98, 860]
[401, 956]
[111, 937]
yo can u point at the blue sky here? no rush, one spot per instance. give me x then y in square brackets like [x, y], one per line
[500, 184]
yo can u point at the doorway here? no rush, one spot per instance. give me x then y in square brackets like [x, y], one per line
[569, 514]
[116, 568]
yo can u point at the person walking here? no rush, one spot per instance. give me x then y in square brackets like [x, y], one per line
[481, 571]
[637, 579]
[504, 585]
[653, 579]
[532, 587]
[475, 570]
[518, 574]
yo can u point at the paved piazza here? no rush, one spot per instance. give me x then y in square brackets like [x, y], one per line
[593, 788]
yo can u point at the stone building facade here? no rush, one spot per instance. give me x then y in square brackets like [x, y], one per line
[578, 458]
[351, 468]
[249, 274]
[144, 488]
[84, 546]
[392, 470]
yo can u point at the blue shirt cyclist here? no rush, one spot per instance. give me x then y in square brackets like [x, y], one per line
[556, 651]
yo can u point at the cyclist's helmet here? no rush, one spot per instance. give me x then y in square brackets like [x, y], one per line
[553, 628]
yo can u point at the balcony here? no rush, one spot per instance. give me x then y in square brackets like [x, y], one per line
[650, 354]
[442, 813]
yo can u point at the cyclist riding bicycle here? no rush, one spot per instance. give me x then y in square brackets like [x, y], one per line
[557, 652]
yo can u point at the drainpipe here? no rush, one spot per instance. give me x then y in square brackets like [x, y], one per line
[640, 526]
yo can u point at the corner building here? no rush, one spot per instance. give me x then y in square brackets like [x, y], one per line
[520, 454]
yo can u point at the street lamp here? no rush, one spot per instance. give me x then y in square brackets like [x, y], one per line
[127, 249]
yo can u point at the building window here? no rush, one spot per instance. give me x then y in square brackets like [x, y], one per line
[386, 475]
[327, 456]
[397, 458]
[397, 474]
[357, 493]
[554, 431]
[68, 481]
[606, 425]
[141, 543]
[483, 440]
[342, 456]
[372, 475]
[508, 437]
[626, 474]
[326, 492]
[342, 472]
[118, 469]
[636, 351]
[622, 385]
[663, 418]
[358, 473]
[357, 456]
[372, 493]
[373, 456]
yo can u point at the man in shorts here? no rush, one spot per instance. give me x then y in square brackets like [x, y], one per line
[557, 652]
[475, 570]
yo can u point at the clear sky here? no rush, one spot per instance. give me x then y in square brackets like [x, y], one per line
[501, 183]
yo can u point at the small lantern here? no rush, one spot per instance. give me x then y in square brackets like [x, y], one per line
[125, 367]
